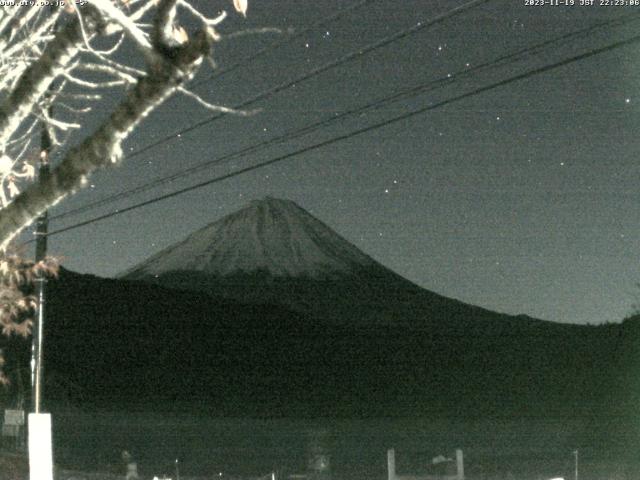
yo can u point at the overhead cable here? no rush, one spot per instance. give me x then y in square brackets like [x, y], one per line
[369, 128]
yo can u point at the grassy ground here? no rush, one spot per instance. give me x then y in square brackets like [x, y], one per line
[13, 467]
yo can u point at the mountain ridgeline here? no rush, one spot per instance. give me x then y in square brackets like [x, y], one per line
[273, 251]
[268, 312]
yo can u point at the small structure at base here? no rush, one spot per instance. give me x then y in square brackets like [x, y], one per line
[40, 447]
[131, 467]
[391, 469]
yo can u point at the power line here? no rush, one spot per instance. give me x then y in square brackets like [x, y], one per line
[292, 134]
[317, 71]
[290, 38]
[404, 116]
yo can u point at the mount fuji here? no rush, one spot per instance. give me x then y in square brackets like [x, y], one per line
[273, 236]
[375, 333]
[270, 312]
[275, 252]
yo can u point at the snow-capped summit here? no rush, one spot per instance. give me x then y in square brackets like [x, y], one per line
[271, 235]
[273, 252]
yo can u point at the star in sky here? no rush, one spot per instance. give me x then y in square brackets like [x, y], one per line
[481, 167]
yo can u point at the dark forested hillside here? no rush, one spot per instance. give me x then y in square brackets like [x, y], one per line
[118, 344]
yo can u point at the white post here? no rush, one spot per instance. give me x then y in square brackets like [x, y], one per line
[460, 464]
[391, 463]
[40, 447]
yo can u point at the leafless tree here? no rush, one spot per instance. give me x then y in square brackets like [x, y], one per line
[65, 55]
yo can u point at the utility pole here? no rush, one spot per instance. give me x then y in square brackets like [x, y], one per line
[575, 454]
[42, 225]
[40, 442]
[39, 425]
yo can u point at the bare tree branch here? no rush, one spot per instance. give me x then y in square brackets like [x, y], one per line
[104, 147]
[114, 14]
[36, 79]
[48, 75]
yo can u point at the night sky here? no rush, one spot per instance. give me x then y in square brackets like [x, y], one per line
[521, 199]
